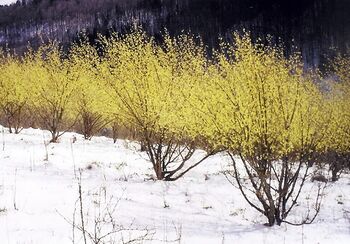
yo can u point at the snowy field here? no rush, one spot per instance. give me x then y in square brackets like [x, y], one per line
[39, 195]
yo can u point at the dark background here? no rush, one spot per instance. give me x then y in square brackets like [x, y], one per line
[317, 28]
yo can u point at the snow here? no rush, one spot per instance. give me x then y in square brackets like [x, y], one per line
[7, 2]
[39, 191]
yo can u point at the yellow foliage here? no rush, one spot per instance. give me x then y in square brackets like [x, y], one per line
[248, 97]
[83, 61]
[339, 137]
[13, 82]
[15, 90]
[260, 103]
[146, 82]
[53, 86]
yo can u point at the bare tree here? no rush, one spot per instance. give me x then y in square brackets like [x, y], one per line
[101, 226]
[14, 116]
[90, 123]
[337, 162]
[170, 157]
[276, 185]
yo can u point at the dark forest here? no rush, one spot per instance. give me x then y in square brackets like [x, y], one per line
[316, 28]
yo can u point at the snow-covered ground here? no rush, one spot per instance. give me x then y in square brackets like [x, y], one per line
[39, 193]
[7, 2]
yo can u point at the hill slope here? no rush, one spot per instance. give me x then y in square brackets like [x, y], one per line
[313, 26]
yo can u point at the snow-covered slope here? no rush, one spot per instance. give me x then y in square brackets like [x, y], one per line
[39, 193]
[6, 2]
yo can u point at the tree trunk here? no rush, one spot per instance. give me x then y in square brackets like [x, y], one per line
[270, 217]
[143, 146]
[54, 136]
[159, 171]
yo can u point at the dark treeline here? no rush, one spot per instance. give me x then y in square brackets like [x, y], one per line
[315, 27]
